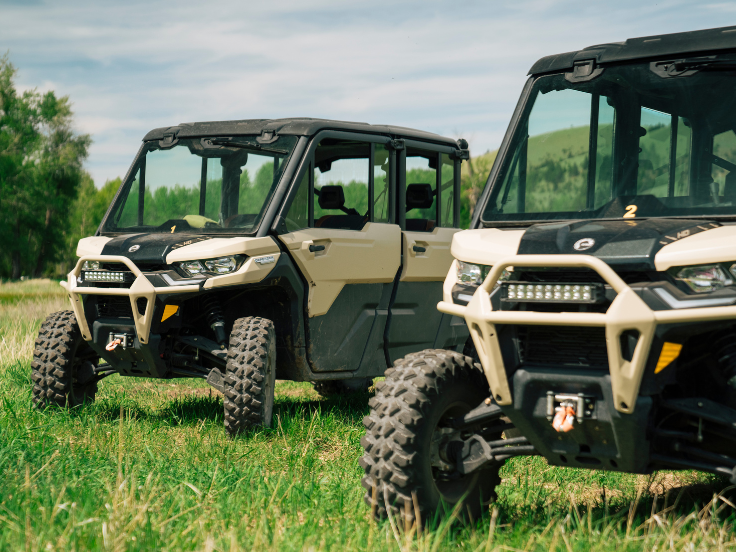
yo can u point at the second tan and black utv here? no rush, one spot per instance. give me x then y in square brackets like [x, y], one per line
[246, 251]
[598, 282]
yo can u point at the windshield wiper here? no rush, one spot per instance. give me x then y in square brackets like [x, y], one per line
[259, 147]
[234, 144]
[703, 65]
[687, 67]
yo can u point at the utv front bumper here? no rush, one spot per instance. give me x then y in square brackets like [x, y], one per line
[141, 293]
[627, 312]
[146, 297]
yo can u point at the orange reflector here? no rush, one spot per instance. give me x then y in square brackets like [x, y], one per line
[169, 311]
[670, 351]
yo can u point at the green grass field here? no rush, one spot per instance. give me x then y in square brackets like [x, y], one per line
[148, 467]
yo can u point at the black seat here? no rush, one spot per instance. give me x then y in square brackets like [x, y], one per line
[331, 197]
[419, 196]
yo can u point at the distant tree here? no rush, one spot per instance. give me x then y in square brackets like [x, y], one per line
[40, 175]
[474, 176]
[85, 215]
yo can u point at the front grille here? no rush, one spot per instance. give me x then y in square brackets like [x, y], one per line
[143, 267]
[568, 275]
[563, 346]
[114, 306]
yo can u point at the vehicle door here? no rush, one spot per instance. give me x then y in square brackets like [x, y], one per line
[428, 210]
[340, 237]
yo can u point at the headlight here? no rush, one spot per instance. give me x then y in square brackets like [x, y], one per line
[192, 267]
[91, 265]
[473, 274]
[212, 267]
[704, 278]
[223, 265]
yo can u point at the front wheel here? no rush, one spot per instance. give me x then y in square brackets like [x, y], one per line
[63, 367]
[250, 375]
[407, 430]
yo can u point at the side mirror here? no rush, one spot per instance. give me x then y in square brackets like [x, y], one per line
[331, 197]
[419, 196]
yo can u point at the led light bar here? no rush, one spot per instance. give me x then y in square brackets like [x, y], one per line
[552, 293]
[104, 276]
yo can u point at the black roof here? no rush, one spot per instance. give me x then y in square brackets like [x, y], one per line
[692, 42]
[295, 126]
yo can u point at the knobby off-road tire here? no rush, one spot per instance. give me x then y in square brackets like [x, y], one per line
[332, 388]
[421, 392]
[250, 375]
[63, 364]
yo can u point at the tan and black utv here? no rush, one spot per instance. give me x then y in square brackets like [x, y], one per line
[246, 251]
[598, 282]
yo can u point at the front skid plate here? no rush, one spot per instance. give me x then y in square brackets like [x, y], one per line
[605, 439]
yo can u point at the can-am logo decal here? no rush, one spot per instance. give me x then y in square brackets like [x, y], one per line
[582, 245]
[133, 248]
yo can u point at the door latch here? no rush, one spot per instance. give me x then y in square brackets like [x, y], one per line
[419, 249]
[315, 248]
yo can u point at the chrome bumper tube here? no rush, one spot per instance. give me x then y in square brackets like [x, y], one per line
[627, 312]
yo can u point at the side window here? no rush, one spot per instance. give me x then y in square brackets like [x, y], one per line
[341, 174]
[724, 159]
[128, 216]
[298, 215]
[447, 196]
[429, 174]
[421, 190]
[380, 183]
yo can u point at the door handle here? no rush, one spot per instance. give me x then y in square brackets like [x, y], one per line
[419, 249]
[315, 248]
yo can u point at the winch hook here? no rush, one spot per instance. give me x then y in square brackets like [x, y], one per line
[111, 346]
[564, 418]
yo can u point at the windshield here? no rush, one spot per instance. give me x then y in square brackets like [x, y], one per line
[207, 185]
[639, 140]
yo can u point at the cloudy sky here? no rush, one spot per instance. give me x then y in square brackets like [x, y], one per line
[451, 67]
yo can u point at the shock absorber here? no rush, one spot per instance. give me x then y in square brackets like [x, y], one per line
[725, 347]
[215, 318]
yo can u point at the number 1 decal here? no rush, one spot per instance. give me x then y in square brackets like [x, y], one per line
[174, 228]
[630, 211]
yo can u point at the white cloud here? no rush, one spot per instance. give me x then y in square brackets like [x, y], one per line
[439, 66]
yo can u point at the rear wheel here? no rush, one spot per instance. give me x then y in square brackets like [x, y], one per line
[63, 364]
[250, 375]
[407, 433]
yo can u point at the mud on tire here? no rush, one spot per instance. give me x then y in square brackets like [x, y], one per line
[250, 375]
[63, 364]
[418, 393]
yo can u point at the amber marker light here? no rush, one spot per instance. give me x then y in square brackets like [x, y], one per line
[670, 351]
[169, 311]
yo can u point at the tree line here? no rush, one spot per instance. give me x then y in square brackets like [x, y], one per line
[48, 202]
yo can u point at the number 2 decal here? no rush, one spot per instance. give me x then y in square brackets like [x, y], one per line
[630, 211]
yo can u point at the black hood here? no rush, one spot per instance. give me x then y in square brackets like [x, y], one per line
[152, 248]
[623, 244]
